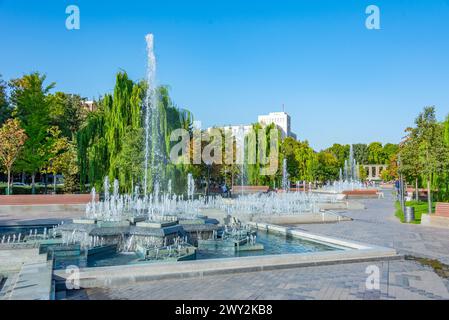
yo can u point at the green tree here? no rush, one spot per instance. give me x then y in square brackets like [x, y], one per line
[129, 160]
[300, 159]
[340, 152]
[30, 98]
[122, 113]
[12, 139]
[361, 153]
[411, 166]
[61, 159]
[70, 168]
[445, 174]
[68, 113]
[389, 151]
[5, 109]
[92, 149]
[431, 151]
[327, 166]
[375, 153]
[102, 139]
[260, 141]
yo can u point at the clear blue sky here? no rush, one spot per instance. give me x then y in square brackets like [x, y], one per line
[228, 60]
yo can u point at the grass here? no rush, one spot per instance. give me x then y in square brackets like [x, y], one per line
[420, 209]
[440, 268]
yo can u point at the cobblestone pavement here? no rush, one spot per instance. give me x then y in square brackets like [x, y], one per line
[403, 279]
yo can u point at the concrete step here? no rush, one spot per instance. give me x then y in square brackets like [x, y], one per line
[435, 221]
[34, 282]
[8, 286]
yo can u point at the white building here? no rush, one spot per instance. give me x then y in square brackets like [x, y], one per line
[281, 119]
[89, 105]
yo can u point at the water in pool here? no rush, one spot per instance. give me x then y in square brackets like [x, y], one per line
[273, 244]
[24, 230]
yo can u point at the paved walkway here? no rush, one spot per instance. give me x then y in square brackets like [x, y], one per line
[402, 279]
[378, 225]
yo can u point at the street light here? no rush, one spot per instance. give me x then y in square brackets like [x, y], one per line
[401, 185]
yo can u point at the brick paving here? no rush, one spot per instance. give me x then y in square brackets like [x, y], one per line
[403, 279]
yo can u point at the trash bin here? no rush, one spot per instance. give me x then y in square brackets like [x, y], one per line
[409, 214]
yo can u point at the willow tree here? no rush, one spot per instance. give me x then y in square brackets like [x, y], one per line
[110, 143]
[93, 158]
[257, 152]
[122, 114]
[172, 118]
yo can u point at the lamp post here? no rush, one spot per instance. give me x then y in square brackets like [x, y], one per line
[401, 185]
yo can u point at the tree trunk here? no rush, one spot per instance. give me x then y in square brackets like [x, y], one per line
[8, 189]
[416, 189]
[429, 196]
[23, 177]
[33, 185]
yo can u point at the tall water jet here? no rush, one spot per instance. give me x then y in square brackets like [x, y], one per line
[346, 170]
[106, 187]
[154, 154]
[285, 186]
[351, 162]
[190, 186]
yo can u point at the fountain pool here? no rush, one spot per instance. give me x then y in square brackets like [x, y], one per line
[274, 244]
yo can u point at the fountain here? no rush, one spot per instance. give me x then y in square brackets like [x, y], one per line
[350, 180]
[157, 224]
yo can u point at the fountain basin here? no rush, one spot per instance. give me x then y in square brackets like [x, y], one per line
[156, 224]
[347, 251]
[85, 221]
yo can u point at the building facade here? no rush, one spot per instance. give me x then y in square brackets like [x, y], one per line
[281, 119]
[374, 171]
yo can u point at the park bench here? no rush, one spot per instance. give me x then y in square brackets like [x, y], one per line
[442, 209]
[250, 189]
